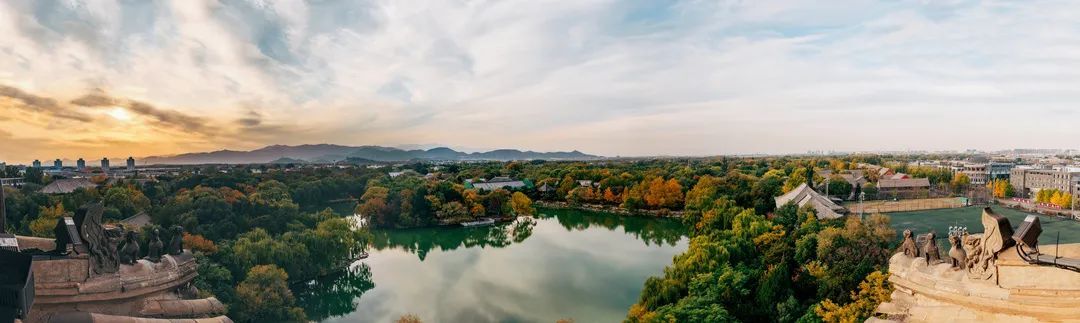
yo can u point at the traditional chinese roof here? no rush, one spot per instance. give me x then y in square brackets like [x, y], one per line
[65, 186]
[136, 221]
[804, 195]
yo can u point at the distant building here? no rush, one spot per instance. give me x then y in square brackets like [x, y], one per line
[1028, 181]
[136, 221]
[982, 173]
[65, 186]
[131, 164]
[105, 164]
[80, 165]
[804, 195]
[497, 183]
[58, 164]
[37, 163]
[904, 188]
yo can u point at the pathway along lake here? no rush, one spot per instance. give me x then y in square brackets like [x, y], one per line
[570, 264]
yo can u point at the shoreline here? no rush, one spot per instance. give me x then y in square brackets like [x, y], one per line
[663, 213]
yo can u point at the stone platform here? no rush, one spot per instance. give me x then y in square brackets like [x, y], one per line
[1017, 292]
[68, 290]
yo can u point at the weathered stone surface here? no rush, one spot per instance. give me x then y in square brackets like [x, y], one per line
[1021, 292]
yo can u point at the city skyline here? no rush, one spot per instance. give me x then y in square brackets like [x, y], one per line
[683, 78]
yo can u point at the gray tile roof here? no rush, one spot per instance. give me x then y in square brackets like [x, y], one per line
[64, 186]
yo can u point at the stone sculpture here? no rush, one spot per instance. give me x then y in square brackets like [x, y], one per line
[908, 247]
[930, 250]
[957, 253]
[154, 246]
[176, 245]
[103, 256]
[130, 251]
[982, 251]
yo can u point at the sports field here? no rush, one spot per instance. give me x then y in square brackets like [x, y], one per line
[939, 221]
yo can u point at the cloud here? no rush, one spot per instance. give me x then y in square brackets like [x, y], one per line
[607, 77]
[37, 104]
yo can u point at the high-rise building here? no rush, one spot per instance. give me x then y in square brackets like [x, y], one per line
[37, 163]
[80, 165]
[105, 164]
[58, 164]
[131, 163]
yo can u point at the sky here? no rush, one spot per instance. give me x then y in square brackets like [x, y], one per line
[614, 78]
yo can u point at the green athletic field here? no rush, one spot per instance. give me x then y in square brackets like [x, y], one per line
[939, 221]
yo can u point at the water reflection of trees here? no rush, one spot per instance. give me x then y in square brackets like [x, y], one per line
[421, 241]
[650, 230]
[335, 295]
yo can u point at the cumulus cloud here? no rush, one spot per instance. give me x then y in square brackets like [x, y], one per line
[608, 77]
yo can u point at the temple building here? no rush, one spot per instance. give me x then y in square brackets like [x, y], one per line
[804, 195]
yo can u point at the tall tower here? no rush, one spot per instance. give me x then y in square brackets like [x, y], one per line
[105, 164]
[80, 165]
[58, 164]
[131, 164]
[37, 163]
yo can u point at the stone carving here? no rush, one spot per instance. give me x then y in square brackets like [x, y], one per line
[154, 246]
[176, 245]
[957, 253]
[982, 250]
[188, 291]
[130, 252]
[930, 250]
[103, 257]
[908, 246]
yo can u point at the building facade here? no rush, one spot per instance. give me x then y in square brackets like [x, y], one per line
[980, 173]
[80, 165]
[105, 164]
[131, 164]
[1028, 181]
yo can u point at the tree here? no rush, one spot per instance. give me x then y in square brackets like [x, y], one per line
[838, 186]
[521, 204]
[565, 185]
[874, 290]
[264, 296]
[960, 183]
[46, 221]
[664, 194]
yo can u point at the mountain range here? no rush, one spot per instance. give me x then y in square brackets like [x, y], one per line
[332, 153]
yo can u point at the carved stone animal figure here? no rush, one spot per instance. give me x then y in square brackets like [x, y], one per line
[930, 250]
[130, 252]
[176, 245]
[957, 253]
[154, 246]
[908, 246]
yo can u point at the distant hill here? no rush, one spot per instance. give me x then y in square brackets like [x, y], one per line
[331, 153]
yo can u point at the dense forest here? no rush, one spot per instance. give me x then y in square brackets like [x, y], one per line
[261, 232]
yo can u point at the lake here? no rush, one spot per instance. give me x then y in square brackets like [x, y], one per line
[586, 266]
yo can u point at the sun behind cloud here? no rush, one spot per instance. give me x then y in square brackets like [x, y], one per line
[120, 114]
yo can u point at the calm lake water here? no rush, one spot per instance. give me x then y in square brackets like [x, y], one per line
[570, 264]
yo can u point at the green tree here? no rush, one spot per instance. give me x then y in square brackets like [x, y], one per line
[264, 296]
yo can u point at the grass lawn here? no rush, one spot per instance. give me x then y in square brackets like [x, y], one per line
[939, 221]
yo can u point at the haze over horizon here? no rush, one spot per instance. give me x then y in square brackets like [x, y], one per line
[612, 78]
